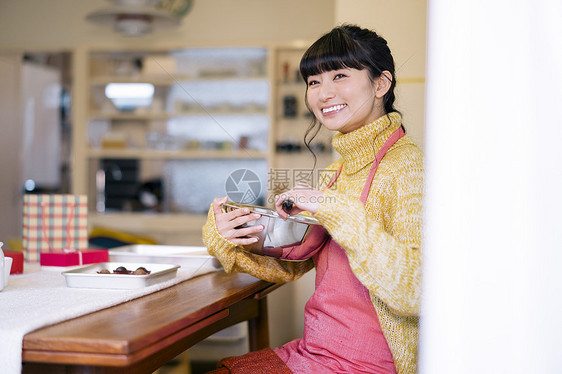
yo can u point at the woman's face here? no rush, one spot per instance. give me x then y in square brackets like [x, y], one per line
[344, 100]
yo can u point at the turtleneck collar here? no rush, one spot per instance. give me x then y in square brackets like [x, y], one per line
[359, 147]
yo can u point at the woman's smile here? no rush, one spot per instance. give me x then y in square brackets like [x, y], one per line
[333, 109]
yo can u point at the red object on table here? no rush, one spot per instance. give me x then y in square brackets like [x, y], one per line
[17, 262]
[84, 257]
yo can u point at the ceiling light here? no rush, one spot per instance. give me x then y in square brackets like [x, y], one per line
[138, 17]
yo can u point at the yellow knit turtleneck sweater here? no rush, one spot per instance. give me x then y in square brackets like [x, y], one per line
[382, 239]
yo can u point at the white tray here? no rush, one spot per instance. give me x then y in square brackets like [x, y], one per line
[186, 256]
[88, 277]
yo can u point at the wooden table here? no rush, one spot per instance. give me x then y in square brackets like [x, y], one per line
[143, 334]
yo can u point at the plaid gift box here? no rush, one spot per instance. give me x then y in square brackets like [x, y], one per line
[54, 223]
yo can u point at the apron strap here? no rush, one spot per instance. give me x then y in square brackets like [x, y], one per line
[378, 158]
[334, 177]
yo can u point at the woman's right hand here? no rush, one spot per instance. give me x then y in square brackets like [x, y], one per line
[228, 223]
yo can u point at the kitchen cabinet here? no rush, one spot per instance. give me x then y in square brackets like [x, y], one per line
[157, 162]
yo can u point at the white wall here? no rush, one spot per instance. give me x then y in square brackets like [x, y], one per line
[493, 251]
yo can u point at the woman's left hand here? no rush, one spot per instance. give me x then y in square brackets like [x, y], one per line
[303, 198]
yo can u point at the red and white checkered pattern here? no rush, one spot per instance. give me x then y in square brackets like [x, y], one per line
[54, 223]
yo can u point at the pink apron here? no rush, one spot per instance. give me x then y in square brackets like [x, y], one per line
[342, 333]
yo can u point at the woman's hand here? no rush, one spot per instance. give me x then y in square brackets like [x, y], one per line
[303, 198]
[228, 224]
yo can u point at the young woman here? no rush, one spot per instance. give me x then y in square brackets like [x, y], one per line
[363, 315]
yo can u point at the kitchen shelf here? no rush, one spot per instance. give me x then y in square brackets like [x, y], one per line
[183, 146]
[169, 80]
[123, 116]
[155, 80]
[218, 112]
[133, 116]
[224, 79]
[300, 85]
[151, 154]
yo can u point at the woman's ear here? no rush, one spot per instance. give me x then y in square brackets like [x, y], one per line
[383, 84]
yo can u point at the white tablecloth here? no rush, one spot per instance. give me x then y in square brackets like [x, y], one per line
[40, 298]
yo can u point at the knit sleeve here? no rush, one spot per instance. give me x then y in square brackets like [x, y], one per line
[235, 259]
[386, 260]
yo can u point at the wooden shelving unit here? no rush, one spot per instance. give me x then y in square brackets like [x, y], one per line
[178, 107]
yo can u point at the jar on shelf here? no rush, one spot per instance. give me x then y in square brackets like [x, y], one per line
[289, 106]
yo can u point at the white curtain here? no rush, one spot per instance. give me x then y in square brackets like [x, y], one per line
[493, 209]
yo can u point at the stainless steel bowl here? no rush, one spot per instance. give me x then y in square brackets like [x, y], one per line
[277, 232]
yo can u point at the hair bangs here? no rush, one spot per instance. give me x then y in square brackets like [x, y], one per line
[329, 53]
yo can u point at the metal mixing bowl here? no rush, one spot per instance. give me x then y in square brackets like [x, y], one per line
[277, 232]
